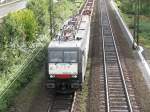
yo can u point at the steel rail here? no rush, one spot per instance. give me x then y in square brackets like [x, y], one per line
[73, 103]
[105, 71]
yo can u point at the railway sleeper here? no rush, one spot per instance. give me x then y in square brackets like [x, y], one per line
[118, 103]
[106, 30]
[110, 60]
[112, 57]
[115, 84]
[111, 46]
[104, 23]
[114, 74]
[113, 79]
[111, 63]
[119, 106]
[119, 111]
[112, 68]
[108, 39]
[116, 89]
[113, 94]
[104, 18]
[118, 98]
[107, 34]
[110, 53]
[117, 92]
[109, 49]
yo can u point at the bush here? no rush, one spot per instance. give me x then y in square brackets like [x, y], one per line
[20, 26]
[5, 61]
[24, 76]
[40, 9]
[127, 7]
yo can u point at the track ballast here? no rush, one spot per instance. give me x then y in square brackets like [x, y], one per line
[62, 103]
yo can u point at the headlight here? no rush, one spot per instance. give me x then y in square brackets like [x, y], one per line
[52, 76]
[74, 76]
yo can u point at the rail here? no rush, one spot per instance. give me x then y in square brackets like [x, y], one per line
[62, 103]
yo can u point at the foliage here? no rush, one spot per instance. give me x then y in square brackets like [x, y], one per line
[145, 9]
[118, 2]
[144, 32]
[20, 26]
[40, 9]
[144, 25]
[127, 6]
[24, 76]
[5, 61]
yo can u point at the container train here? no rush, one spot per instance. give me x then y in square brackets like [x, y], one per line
[68, 52]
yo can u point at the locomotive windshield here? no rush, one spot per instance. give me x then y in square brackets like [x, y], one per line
[63, 56]
[56, 56]
[70, 56]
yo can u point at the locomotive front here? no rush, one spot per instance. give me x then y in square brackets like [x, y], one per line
[64, 68]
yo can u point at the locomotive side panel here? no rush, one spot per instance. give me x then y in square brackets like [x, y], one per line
[85, 53]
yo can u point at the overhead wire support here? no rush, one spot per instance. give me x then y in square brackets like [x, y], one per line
[136, 24]
[134, 30]
[138, 21]
[51, 17]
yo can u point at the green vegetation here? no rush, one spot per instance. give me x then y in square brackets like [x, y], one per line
[145, 31]
[127, 9]
[40, 10]
[20, 26]
[24, 75]
[24, 37]
[83, 96]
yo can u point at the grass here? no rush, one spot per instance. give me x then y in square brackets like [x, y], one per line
[84, 94]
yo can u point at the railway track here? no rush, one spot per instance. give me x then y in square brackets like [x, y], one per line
[115, 95]
[62, 103]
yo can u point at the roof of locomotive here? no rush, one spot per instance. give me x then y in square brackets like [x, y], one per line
[80, 35]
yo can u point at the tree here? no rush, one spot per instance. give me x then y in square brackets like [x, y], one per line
[20, 26]
[40, 9]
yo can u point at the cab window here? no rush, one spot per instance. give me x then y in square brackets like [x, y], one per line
[70, 56]
[56, 56]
